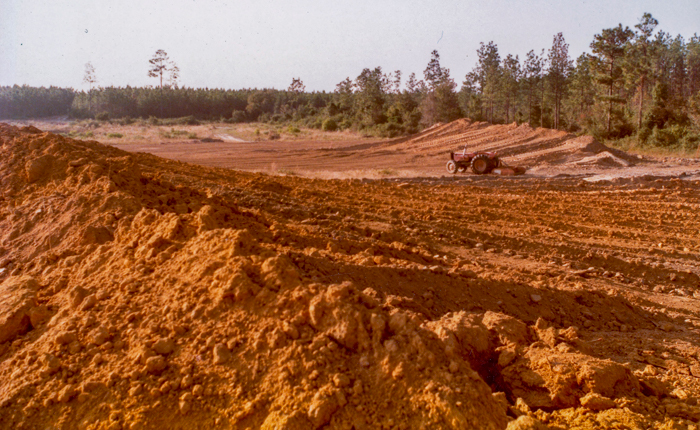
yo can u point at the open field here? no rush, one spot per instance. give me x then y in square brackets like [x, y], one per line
[143, 292]
[337, 155]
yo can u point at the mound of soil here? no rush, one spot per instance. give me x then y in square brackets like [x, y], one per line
[141, 293]
[520, 144]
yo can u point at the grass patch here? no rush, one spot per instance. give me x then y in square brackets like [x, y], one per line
[286, 172]
[175, 134]
[79, 134]
[386, 172]
[632, 145]
[115, 135]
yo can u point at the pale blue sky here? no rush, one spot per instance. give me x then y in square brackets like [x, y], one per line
[264, 43]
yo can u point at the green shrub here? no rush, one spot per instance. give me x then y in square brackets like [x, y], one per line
[115, 135]
[174, 134]
[273, 135]
[185, 120]
[102, 116]
[390, 129]
[238, 116]
[329, 125]
[643, 134]
[293, 129]
[153, 120]
[190, 120]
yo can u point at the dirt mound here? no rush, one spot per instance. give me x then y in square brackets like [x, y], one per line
[519, 144]
[163, 301]
[138, 292]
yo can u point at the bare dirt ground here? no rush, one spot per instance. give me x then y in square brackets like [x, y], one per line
[333, 155]
[140, 292]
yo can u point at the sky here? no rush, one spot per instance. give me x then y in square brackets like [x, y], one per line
[265, 43]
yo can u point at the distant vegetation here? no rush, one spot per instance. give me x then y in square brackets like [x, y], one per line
[640, 84]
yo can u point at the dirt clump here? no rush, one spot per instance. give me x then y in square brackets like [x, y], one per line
[137, 292]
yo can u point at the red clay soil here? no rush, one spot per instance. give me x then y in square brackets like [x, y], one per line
[142, 293]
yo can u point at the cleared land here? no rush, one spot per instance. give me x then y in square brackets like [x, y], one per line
[140, 292]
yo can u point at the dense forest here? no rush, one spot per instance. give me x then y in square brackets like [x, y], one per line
[640, 82]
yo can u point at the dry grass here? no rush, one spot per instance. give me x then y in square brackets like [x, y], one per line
[141, 131]
[632, 146]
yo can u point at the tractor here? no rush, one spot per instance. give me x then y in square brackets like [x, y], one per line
[480, 162]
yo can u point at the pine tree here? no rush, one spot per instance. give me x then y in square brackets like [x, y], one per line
[638, 66]
[582, 91]
[90, 78]
[297, 86]
[370, 97]
[693, 64]
[559, 68]
[530, 78]
[609, 46]
[509, 83]
[489, 73]
[160, 65]
[440, 103]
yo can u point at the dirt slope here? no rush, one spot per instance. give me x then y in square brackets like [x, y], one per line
[138, 292]
[519, 144]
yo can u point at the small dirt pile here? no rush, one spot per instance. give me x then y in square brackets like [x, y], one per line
[143, 293]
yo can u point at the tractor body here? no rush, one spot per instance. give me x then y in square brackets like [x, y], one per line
[480, 162]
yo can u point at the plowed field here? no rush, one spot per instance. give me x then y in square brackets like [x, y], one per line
[143, 293]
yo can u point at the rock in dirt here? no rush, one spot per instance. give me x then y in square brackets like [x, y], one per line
[332, 314]
[547, 379]
[526, 423]
[596, 402]
[17, 295]
[38, 315]
[66, 394]
[65, 338]
[164, 346]
[297, 420]
[279, 272]
[38, 168]
[509, 329]
[322, 408]
[77, 295]
[652, 386]
[464, 334]
[221, 354]
[155, 364]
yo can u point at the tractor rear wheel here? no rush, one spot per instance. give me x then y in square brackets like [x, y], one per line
[451, 166]
[481, 164]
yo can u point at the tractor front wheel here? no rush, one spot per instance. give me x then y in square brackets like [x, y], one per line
[481, 164]
[451, 166]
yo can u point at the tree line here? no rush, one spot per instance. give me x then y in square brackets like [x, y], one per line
[642, 82]
[374, 101]
[639, 82]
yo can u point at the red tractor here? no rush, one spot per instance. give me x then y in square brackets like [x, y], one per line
[480, 162]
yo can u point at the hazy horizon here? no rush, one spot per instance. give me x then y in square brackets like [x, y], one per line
[264, 44]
